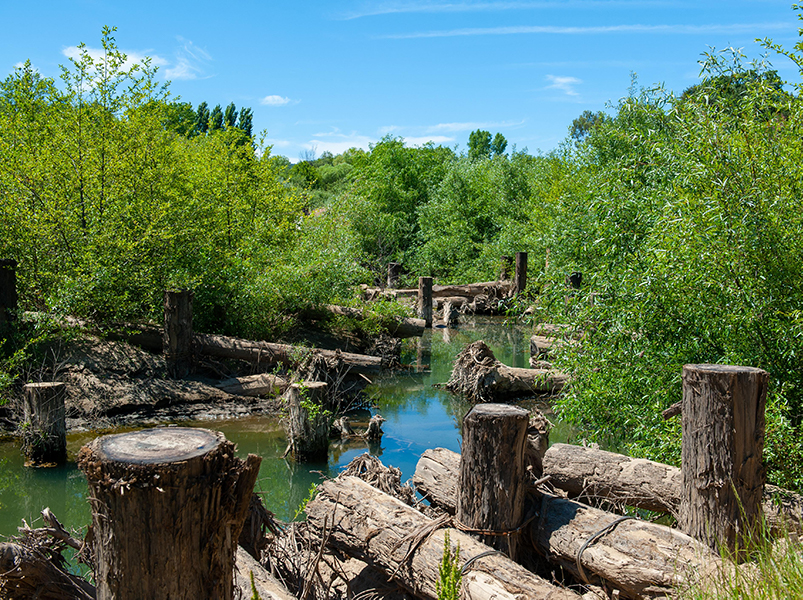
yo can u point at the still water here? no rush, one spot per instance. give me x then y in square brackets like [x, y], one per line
[418, 416]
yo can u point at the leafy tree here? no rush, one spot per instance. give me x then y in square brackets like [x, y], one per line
[216, 119]
[202, 118]
[230, 116]
[479, 144]
[246, 122]
[181, 118]
[583, 125]
[498, 145]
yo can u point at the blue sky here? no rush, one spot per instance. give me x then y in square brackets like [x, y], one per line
[333, 75]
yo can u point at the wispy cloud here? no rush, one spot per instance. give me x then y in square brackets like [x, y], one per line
[593, 30]
[98, 56]
[390, 8]
[275, 100]
[471, 126]
[565, 84]
[424, 139]
[191, 61]
[337, 142]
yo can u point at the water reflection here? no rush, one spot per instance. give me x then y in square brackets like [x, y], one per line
[418, 416]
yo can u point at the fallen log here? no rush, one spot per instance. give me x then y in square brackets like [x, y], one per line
[497, 289]
[589, 472]
[401, 327]
[250, 576]
[268, 353]
[382, 531]
[635, 556]
[479, 376]
[262, 384]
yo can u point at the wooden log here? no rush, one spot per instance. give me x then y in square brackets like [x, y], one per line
[379, 529]
[27, 572]
[261, 384]
[178, 336]
[436, 476]
[723, 444]
[307, 422]
[268, 353]
[44, 429]
[458, 302]
[650, 485]
[520, 278]
[492, 485]
[450, 314]
[8, 292]
[403, 327]
[425, 299]
[251, 576]
[168, 505]
[479, 376]
[394, 270]
[496, 289]
[640, 558]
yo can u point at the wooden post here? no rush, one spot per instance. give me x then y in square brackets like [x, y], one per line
[507, 264]
[44, 430]
[8, 292]
[178, 332]
[520, 282]
[425, 299]
[492, 473]
[723, 442]
[168, 505]
[393, 274]
[307, 422]
[450, 314]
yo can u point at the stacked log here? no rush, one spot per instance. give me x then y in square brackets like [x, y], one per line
[480, 377]
[640, 558]
[397, 539]
[593, 473]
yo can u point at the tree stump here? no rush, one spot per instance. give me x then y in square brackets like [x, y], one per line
[492, 474]
[374, 432]
[44, 430]
[308, 423]
[723, 442]
[450, 314]
[520, 282]
[178, 335]
[168, 505]
[425, 299]
[394, 269]
[8, 292]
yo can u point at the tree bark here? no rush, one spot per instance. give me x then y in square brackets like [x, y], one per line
[379, 529]
[492, 485]
[479, 376]
[588, 472]
[394, 269]
[308, 422]
[168, 505]
[520, 282]
[267, 353]
[723, 443]
[425, 300]
[178, 332]
[262, 384]
[637, 557]
[44, 437]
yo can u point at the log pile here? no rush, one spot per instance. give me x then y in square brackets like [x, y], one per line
[480, 377]
[639, 558]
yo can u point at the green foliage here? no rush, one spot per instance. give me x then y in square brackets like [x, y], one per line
[313, 489]
[449, 572]
[254, 593]
[216, 119]
[479, 145]
[498, 145]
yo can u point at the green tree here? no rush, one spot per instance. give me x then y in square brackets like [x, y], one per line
[246, 122]
[216, 119]
[583, 125]
[498, 145]
[202, 118]
[479, 144]
[181, 118]
[230, 116]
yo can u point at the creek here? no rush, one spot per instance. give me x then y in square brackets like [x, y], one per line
[418, 416]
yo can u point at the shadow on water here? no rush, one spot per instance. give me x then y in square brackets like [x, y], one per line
[418, 416]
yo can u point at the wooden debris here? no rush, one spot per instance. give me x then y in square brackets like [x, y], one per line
[397, 539]
[307, 421]
[374, 432]
[262, 384]
[480, 377]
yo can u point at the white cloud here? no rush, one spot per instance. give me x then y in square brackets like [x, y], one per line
[565, 84]
[471, 126]
[190, 63]
[274, 100]
[98, 56]
[725, 28]
[435, 139]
